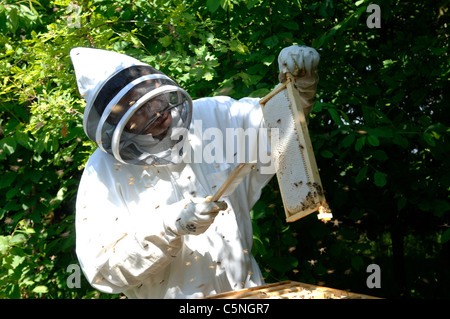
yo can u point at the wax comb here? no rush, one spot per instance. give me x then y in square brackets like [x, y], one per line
[293, 157]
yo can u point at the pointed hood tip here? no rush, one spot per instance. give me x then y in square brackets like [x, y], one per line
[93, 67]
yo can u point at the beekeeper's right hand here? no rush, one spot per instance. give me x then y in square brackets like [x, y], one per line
[191, 218]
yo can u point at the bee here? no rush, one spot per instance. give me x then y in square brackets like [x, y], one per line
[312, 262]
[188, 263]
[131, 103]
[200, 286]
[157, 207]
[279, 121]
[214, 186]
[318, 188]
[161, 281]
[245, 251]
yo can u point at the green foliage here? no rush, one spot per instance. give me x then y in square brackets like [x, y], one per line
[379, 130]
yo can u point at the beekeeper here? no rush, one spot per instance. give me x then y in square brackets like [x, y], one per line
[143, 225]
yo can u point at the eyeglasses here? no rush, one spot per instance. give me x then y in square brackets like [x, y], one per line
[151, 121]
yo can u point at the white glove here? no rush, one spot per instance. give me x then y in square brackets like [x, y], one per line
[301, 62]
[188, 218]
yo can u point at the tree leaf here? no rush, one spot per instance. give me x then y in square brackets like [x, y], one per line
[357, 262]
[360, 143]
[335, 116]
[326, 154]
[445, 236]
[7, 179]
[40, 289]
[348, 140]
[4, 244]
[373, 140]
[361, 175]
[380, 179]
[428, 137]
[8, 145]
[271, 41]
[212, 5]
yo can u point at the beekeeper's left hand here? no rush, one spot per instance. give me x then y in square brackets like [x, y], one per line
[302, 62]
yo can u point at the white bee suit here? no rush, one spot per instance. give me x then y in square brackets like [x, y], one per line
[127, 214]
[122, 242]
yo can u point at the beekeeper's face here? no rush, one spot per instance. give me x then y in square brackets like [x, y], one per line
[152, 118]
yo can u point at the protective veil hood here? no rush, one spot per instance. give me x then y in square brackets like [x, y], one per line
[133, 111]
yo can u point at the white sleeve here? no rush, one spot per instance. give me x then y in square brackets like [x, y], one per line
[115, 250]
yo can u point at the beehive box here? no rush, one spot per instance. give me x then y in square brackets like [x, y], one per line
[292, 153]
[290, 290]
